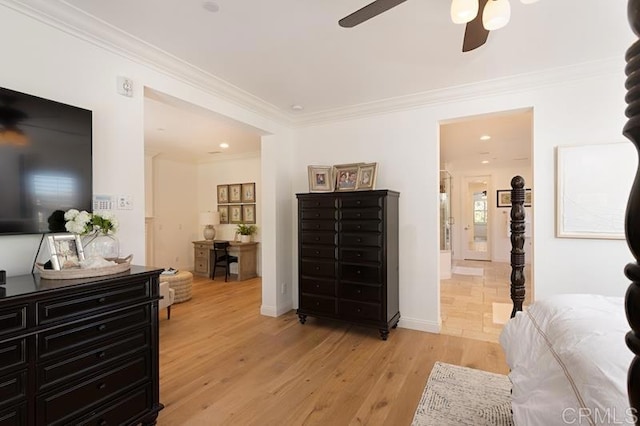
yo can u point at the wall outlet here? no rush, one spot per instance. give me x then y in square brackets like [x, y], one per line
[124, 202]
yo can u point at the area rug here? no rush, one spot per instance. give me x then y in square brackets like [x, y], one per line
[465, 270]
[457, 395]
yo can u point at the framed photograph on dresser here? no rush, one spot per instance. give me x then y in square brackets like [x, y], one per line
[346, 176]
[321, 178]
[367, 176]
[66, 251]
[224, 214]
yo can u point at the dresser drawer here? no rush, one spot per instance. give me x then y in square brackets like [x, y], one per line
[92, 359]
[361, 226]
[54, 409]
[318, 269]
[361, 214]
[121, 411]
[200, 266]
[13, 388]
[318, 225]
[12, 319]
[320, 287]
[363, 201]
[202, 247]
[201, 253]
[361, 273]
[318, 203]
[13, 354]
[318, 252]
[83, 304]
[360, 311]
[360, 293]
[359, 240]
[361, 255]
[319, 305]
[327, 238]
[14, 416]
[326, 214]
[86, 333]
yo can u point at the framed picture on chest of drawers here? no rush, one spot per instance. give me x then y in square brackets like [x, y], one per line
[348, 258]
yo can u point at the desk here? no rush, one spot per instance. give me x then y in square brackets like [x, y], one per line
[245, 252]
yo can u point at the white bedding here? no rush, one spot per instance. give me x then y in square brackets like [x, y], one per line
[569, 361]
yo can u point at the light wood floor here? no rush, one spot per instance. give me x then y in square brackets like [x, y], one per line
[467, 302]
[222, 363]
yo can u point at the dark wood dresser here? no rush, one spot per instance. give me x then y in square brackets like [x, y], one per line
[82, 351]
[348, 257]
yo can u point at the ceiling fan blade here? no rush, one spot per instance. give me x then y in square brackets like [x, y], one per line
[368, 12]
[475, 35]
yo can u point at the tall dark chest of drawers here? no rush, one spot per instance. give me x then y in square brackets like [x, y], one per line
[348, 258]
[81, 352]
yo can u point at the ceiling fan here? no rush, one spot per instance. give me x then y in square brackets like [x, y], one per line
[481, 16]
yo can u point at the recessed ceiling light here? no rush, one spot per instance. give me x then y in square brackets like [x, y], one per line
[160, 129]
[213, 152]
[485, 161]
[297, 107]
[210, 6]
[224, 145]
[485, 137]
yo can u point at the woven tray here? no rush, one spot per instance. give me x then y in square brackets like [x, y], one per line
[123, 264]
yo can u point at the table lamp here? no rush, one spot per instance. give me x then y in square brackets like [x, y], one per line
[209, 220]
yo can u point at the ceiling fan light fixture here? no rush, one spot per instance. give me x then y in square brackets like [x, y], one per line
[463, 11]
[496, 14]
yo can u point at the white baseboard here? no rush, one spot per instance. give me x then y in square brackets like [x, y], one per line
[420, 325]
[273, 311]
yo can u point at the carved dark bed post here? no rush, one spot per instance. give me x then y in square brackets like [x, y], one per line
[517, 243]
[632, 219]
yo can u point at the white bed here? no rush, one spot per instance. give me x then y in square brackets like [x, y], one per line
[572, 366]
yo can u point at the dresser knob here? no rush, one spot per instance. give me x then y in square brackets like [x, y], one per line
[317, 268]
[102, 300]
[358, 310]
[358, 202]
[358, 254]
[317, 238]
[102, 422]
[101, 354]
[317, 285]
[359, 291]
[359, 214]
[102, 327]
[358, 272]
[318, 226]
[358, 227]
[101, 386]
[317, 303]
[317, 251]
[317, 214]
[359, 240]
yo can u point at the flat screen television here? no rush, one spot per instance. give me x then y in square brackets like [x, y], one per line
[45, 161]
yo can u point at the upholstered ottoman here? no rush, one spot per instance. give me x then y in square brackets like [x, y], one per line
[181, 283]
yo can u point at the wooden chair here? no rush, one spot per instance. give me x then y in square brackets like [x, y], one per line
[221, 258]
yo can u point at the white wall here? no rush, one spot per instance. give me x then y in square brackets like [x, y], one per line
[54, 64]
[405, 144]
[175, 203]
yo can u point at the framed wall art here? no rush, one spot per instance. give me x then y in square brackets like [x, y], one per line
[593, 185]
[224, 214]
[249, 192]
[66, 251]
[235, 193]
[223, 194]
[248, 213]
[366, 179]
[503, 198]
[235, 213]
[346, 176]
[321, 178]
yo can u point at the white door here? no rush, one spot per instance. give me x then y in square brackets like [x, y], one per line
[476, 235]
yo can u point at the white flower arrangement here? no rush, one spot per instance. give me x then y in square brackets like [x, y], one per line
[83, 223]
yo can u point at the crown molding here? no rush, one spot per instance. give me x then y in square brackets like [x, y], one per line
[513, 84]
[67, 18]
[71, 20]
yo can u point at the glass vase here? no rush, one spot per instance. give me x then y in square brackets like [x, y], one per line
[102, 245]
